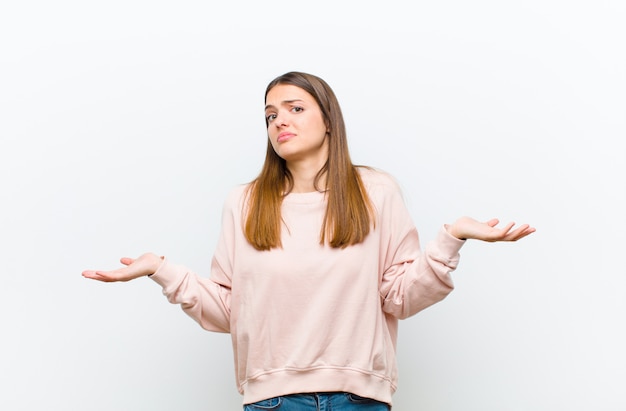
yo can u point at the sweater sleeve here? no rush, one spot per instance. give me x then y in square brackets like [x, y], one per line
[206, 300]
[203, 299]
[412, 279]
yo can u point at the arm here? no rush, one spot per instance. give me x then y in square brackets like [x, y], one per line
[204, 300]
[416, 279]
[413, 279]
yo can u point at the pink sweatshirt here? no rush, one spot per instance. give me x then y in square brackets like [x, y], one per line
[310, 318]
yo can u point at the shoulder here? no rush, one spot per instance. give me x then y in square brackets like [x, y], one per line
[378, 182]
[385, 193]
[236, 197]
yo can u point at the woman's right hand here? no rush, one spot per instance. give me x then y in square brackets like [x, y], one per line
[146, 264]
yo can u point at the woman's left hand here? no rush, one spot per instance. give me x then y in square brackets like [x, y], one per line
[466, 228]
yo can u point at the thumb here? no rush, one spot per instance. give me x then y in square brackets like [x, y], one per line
[493, 222]
[126, 260]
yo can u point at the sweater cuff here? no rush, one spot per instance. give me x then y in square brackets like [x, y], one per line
[165, 274]
[449, 243]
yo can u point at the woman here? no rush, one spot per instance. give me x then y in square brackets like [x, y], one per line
[317, 261]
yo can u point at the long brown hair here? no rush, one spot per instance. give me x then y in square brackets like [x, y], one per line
[349, 212]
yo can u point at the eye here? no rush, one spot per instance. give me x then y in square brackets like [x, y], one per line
[270, 117]
[297, 109]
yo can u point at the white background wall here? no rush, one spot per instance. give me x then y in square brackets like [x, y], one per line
[124, 124]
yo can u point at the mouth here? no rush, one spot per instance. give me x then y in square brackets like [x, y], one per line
[284, 136]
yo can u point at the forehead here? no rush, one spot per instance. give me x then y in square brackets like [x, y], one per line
[284, 93]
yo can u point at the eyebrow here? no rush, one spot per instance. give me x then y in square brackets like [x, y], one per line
[284, 102]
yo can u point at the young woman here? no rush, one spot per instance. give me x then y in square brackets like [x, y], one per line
[317, 261]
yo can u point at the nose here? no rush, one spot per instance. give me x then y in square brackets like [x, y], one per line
[280, 120]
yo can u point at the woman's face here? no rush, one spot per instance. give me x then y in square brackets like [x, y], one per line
[296, 126]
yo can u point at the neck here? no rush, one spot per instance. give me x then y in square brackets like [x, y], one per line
[304, 178]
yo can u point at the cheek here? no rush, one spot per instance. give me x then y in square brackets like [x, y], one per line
[272, 140]
[319, 127]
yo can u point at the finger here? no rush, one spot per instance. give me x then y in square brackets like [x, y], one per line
[493, 222]
[506, 229]
[527, 231]
[127, 260]
[518, 233]
[97, 275]
[88, 273]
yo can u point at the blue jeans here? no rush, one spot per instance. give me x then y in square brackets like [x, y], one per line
[335, 401]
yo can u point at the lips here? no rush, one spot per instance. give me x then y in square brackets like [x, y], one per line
[284, 136]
